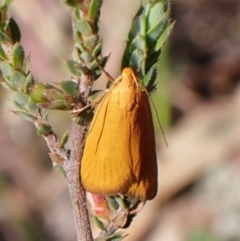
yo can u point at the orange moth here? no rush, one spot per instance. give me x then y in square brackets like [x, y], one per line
[119, 155]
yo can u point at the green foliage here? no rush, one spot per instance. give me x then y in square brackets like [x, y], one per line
[84, 117]
[3, 55]
[18, 56]
[14, 30]
[150, 29]
[89, 59]
[71, 3]
[3, 38]
[25, 116]
[94, 8]
[61, 170]
[44, 129]
[70, 87]
[76, 68]
[64, 139]
[23, 101]
[99, 223]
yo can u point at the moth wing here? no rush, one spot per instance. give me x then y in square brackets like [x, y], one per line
[106, 166]
[143, 151]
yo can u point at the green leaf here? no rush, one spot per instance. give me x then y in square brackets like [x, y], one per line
[28, 83]
[139, 42]
[3, 55]
[118, 236]
[56, 158]
[44, 129]
[155, 33]
[32, 106]
[53, 93]
[94, 8]
[44, 113]
[81, 48]
[18, 55]
[15, 31]
[25, 67]
[7, 71]
[17, 80]
[55, 105]
[76, 13]
[99, 223]
[112, 203]
[75, 68]
[70, 87]
[25, 116]
[84, 27]
[97, 49]
[61, 170]
[4, 38]
[6, 86]
[20, 98]
[20, 107]
[164, 37]
[64, 139]
[36, 92]
[136, 59]
[149, 31]
[86, 57]
[136, 26]
[84, 117]
[155, 16]
[91, 42]
[24, 101]
[150, 78]
[72, 3]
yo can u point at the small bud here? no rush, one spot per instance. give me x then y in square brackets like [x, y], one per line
[44, 129]
[100, 210]
[37, 93]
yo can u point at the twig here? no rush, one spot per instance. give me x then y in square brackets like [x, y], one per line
[72, 166]
[77, 193]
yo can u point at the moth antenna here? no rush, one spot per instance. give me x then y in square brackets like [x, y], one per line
[155, 110]
[109, 77]
[77, 111]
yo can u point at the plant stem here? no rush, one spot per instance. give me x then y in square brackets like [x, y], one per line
[77, 193]
[72, 166]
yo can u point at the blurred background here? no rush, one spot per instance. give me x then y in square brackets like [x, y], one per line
[198, 102]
